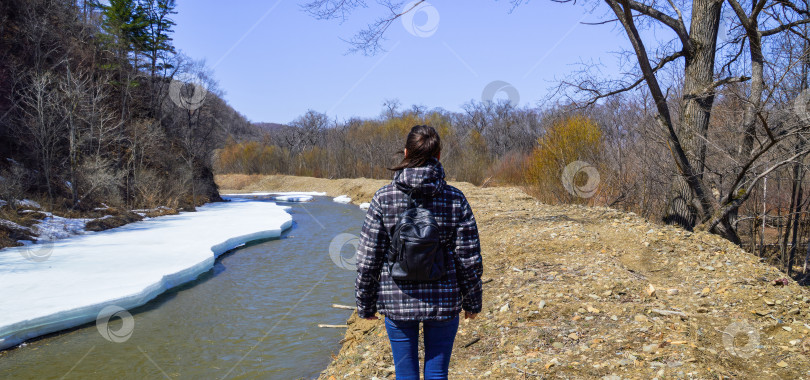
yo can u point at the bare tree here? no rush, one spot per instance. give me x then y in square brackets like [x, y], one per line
[43, 123]
[692, 203]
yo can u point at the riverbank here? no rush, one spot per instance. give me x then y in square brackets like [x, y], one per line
[589, 292]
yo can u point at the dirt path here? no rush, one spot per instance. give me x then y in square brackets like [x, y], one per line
[583, 292]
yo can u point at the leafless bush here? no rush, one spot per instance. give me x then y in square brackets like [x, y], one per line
[13, 184]
[98, 181]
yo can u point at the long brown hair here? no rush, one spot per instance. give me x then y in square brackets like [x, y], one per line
[422, 144]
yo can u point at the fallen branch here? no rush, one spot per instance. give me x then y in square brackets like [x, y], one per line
[338, 306]
[334, 326]
[474, 341]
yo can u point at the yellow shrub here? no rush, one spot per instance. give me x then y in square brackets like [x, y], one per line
[573, 142]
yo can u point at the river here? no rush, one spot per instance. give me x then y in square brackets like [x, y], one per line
[254, 315]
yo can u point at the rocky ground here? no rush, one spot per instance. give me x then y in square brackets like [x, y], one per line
[589, 292]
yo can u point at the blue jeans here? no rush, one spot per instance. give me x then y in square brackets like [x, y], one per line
[404, 337]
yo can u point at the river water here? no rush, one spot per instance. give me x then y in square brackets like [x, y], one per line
[254, 315]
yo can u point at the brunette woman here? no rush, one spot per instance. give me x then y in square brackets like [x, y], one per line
[435, 304]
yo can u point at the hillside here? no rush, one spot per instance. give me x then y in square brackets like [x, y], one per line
[587, 292]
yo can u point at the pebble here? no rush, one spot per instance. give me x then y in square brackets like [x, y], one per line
[650, 347]
[624, 362]
[541, 305]
[640, 318]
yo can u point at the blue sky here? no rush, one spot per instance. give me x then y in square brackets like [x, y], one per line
[274, 62]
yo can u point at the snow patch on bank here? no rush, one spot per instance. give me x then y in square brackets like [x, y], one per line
[75, 278]
[56, 227]
[28, 203]
[342, 199]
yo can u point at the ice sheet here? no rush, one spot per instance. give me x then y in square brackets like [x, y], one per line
[293, 198]
[65, 283]
[342, 199]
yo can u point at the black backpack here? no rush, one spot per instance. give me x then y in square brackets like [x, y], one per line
[416, 252]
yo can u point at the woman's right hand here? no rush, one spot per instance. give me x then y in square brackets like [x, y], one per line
[468, 315]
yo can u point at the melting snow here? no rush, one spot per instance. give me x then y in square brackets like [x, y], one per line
[293, 198]
[56, 227]
[342, 199]
[65, 283]
[28, 203]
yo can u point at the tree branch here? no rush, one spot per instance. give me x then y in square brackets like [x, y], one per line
[676, 25]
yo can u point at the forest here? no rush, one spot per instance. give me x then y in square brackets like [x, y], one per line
[98, 109]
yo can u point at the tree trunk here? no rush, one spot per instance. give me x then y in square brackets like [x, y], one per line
[796, 213]
[683, 209]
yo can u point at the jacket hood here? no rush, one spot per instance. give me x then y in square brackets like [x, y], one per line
[425, 180]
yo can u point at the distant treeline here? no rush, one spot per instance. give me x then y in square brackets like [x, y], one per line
[611, 153]
[97, 106]
[487, 143]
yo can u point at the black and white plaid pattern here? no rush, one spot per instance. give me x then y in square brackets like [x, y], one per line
[410, 300]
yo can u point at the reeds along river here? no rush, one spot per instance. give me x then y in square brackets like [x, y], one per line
[254, 315]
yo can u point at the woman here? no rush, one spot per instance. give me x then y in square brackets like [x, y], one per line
[405, 304]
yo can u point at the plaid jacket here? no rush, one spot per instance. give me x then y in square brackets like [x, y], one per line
[409, 300]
